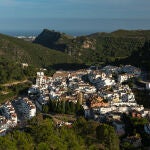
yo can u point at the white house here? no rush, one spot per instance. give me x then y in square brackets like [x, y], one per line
[41, 80]
[147, 128]
[87, 112]
[148, 85]
[28, 108]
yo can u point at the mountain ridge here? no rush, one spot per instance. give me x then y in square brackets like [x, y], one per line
[98, 47]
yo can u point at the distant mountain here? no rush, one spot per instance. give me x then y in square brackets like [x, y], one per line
[99, 48]
[25, 52]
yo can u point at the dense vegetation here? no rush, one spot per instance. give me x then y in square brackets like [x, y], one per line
[63, 107]
[11, 92]
[42, 134]
[135, 127]
[142, 97]
[129, 46]
[102, 48]
[99, 48]
[107, 134]
[13, 71]
[10, 73]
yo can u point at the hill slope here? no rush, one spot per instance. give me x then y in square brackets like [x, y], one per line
[21, 51]
[53, 39]
[99, 47]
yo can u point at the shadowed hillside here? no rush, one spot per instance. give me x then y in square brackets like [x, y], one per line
[53, 39]
[22, 51]
[99, 48]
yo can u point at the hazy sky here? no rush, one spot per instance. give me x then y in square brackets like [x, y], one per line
[13, 12]
[74, 8]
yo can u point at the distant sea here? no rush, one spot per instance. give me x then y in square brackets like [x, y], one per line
[75, 27]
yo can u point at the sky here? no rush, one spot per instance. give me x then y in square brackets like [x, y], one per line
[19, 14]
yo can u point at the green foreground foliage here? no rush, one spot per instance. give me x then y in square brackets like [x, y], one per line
[42, 134]
[106, 134]
[135, 127]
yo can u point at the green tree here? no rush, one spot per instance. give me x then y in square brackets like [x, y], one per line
[45, 108]
[107, 136]
[72, 107]
[43, 146]
[67, 107]
[23, 140]
[7, 144]
[62, 107]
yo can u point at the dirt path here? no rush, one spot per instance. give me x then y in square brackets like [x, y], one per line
[58, 118]
[15, 83]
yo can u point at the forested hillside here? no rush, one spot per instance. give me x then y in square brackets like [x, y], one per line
[119, 47]
[26, 52]
[100, 48]
[12, 71]
[43, 134]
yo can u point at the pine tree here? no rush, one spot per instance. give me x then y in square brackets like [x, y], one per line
[107, 136]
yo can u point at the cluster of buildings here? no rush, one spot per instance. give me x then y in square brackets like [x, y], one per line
[25, 108]
[27, 38]
[63, 86]
[101, 92]
[13, 112]
[8, 117]
[114, 96]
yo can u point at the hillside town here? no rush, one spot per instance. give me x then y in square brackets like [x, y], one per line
[104, 94]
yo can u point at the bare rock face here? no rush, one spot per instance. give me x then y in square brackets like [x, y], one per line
[53, 39]
[89, 44]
